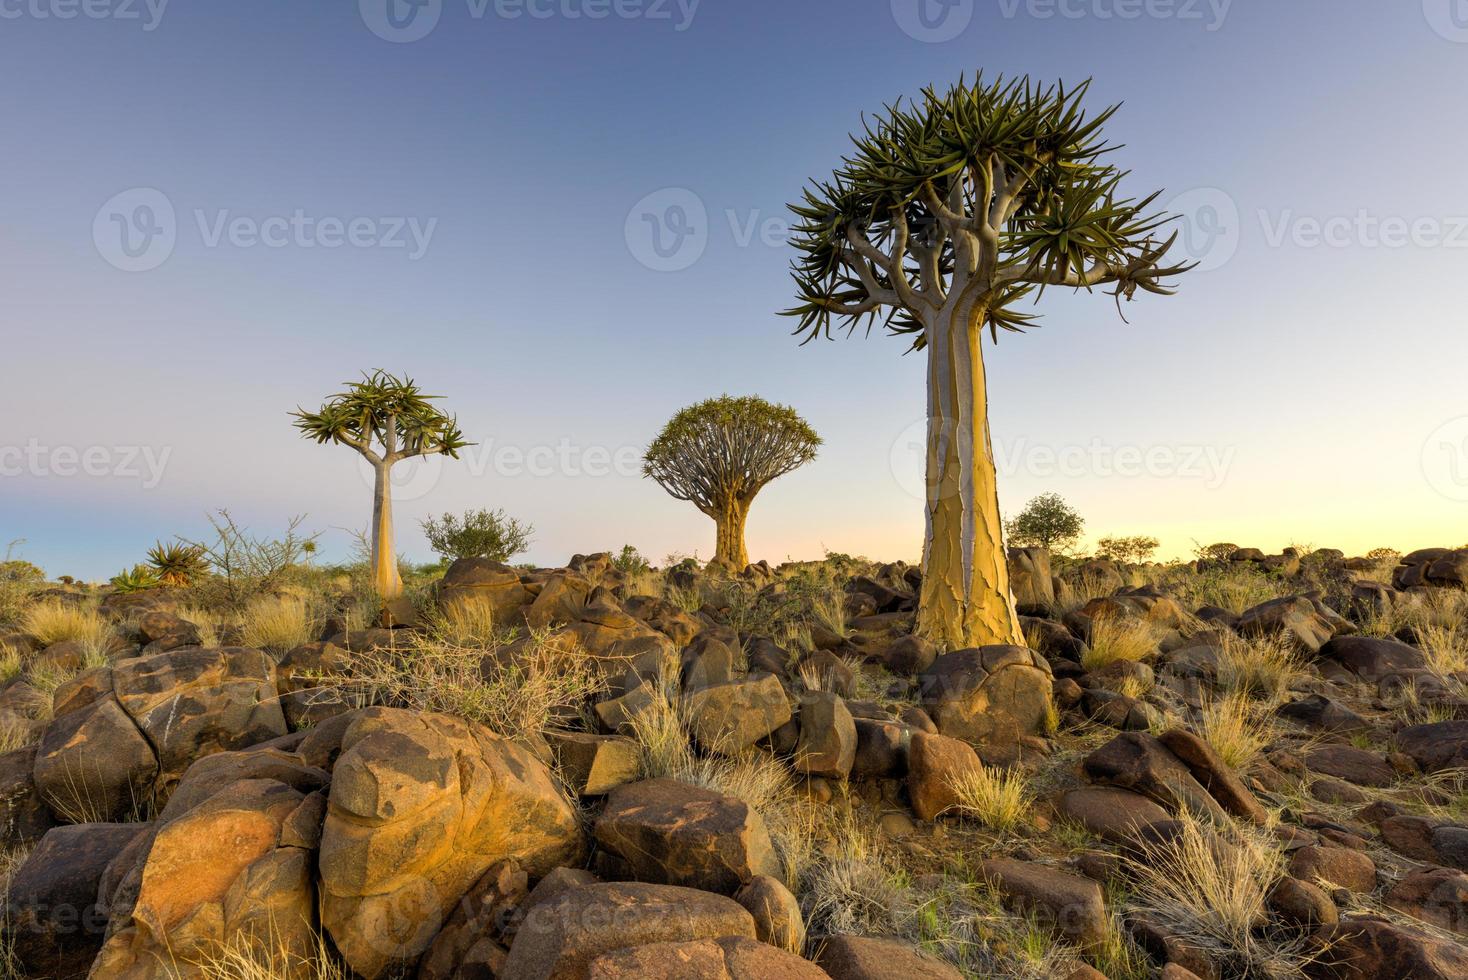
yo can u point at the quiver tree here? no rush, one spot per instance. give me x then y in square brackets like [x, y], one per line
[386, 419]
[720, 453]
[951, 211]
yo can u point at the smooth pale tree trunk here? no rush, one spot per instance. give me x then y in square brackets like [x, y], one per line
[385, 577]
[966, 600]
[729, 544]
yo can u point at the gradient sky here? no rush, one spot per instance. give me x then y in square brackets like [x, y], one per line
[1298, 390]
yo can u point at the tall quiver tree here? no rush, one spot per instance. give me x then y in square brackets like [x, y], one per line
[952, 210]
[720, 453]
[388, 420]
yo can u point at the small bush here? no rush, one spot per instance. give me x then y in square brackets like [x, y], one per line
[478, 534]
[248, 567]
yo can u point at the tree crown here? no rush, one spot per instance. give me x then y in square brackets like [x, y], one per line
[385, 418]
[726, 449]
[1047, 521]
[968, 201]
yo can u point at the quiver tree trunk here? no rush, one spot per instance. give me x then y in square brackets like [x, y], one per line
[729, 544]
[965, 601]
[385, 578]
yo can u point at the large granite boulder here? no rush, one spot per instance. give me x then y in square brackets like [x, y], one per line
[988, 696]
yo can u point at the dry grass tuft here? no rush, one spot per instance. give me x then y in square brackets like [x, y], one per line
[539, 682]
[244, 957]
[1445, 646]
[1114, 639]
[1236, 728]
[466, 623]
[1214, 895]
[1262, 667]
[55, 622]
[997, 798]
[276, 625]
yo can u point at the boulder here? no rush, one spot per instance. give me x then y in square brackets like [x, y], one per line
[881, 749]
[1341, 867]
[988, 696]
[52, 920]
[594, 765]
[1301, 904]
[1437, 745]
[1221, 782]
[1367, 948]
[675, 833]
[93, 764]
[729, 958]
[1354, 765]
[1073, 905]
[1030, 581]
[776, 913]
[730, 717]
[1115, 815]
[481, 581]
[869, 958]
[562, 936]
[909, 655]
[24, 816]
[1140, 762]
[935, 763]
[827, 745]
[421, 806]
[470, 943]
[239, 864]
[1373, 658]
[1320, 712]
[1435, 895]
[1295, 617]
[192, 702]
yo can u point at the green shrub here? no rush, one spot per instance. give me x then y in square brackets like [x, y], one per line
[478, 534]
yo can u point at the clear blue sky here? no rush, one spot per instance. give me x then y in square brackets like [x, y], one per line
[1297, 390]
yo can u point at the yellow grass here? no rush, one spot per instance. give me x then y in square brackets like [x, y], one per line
[1263, 667]
[1214, 895]
[997, 798]
[1115, 638]
[1236, 728]
[276, 625]
[54, 622]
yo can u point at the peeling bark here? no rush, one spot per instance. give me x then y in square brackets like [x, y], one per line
[729, 547]
[966, 599]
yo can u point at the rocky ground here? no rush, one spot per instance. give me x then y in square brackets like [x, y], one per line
[1246, 766]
